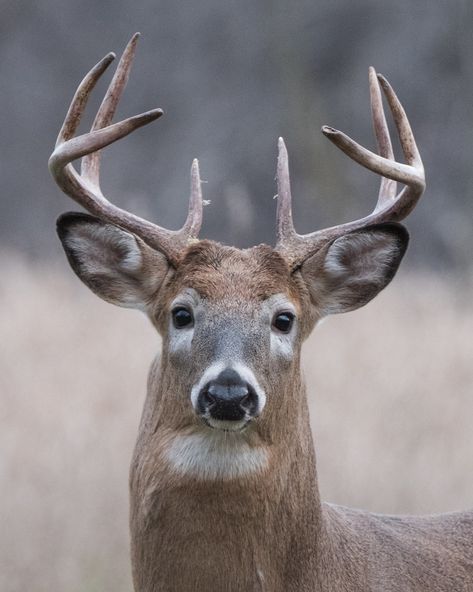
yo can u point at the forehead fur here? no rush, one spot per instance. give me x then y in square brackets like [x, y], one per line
[216, 272]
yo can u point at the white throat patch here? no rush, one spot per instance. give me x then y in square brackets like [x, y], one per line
[215, 454]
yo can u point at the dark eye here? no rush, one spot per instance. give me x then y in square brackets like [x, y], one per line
[283, 322]
[181, 317]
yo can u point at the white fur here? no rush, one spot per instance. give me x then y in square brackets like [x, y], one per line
[371, 254]
[215, 455]
[227, 426]
[180, 340]
[353, 263]
[260, 575]
[133, 260]
[281, 344]
[247, 375]
[90, 246]
[333, 265]
[210, 374]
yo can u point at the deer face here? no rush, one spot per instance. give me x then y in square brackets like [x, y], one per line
[232, 321]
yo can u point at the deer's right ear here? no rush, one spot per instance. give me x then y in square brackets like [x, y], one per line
[115, 264]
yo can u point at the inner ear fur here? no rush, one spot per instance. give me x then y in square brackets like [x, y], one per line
[351, 270]
[115, 264]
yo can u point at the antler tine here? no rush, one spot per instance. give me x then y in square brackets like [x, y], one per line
[389, 208]
[81, 96]
[285, 226]
[408, 143]
[85, 189]
[387, 188]
[90, 166]
[194, 217]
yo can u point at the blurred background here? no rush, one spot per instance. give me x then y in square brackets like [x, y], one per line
[390, 385]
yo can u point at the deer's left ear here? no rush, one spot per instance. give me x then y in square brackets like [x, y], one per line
[354, 268]
[115, 264]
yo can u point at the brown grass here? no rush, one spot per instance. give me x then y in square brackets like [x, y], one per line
[392, 409]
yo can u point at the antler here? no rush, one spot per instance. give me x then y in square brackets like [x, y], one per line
[84, 188]
[389, 207]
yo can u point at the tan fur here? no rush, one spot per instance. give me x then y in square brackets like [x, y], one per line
[260, 525]
[268, 531]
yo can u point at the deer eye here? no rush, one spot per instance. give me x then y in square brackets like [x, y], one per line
[182, 317]
[283, 321]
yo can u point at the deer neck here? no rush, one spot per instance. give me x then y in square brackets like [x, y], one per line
[262, 526]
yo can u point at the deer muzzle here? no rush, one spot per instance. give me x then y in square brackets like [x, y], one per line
[229, 399]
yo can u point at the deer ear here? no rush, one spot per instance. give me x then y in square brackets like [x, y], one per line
[115, 264]
[353, 269]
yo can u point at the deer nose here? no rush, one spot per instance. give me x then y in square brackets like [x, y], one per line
[228, 397]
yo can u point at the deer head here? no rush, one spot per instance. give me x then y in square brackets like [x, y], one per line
[232, 321]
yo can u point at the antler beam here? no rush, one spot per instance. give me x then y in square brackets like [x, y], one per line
[84, 188]
[390, 207]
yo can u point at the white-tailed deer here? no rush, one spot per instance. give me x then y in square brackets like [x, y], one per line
[223, 481]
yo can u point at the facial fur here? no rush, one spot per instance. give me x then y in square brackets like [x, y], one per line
[229, 365]
[233, 296]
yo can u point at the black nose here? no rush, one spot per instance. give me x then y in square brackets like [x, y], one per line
[228, 397]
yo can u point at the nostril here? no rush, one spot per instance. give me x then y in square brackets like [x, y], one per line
[245, 400]
[249, 400]
[208, 398]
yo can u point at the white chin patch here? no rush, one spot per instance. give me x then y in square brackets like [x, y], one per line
[226, 426]
[215, 454]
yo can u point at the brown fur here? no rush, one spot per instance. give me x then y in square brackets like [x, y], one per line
[268, 530]
[223, 273]
[189, 535]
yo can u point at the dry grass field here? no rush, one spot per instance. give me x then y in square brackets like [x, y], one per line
[391, 390]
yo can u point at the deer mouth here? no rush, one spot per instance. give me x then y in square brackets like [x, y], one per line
[226, 425]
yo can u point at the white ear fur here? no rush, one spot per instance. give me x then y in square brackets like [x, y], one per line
[355, 268]
[101, 247]
[115, 264]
